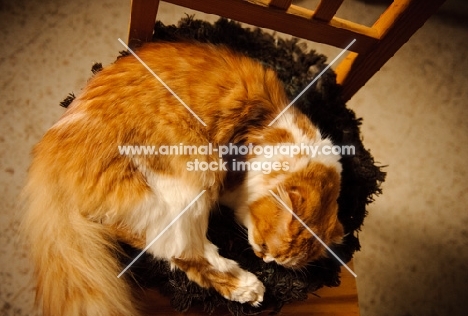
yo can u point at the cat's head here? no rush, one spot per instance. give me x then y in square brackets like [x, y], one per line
[276, 235]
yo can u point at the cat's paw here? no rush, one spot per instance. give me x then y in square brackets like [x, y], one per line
[248, 289]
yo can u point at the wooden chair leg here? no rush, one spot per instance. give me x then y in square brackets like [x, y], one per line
[142, 19]
[398, 23]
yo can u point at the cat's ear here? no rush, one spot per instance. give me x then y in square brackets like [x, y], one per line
[296, 196]
[293, 196]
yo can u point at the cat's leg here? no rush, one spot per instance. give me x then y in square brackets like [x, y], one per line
[185, 245]
[224, 275]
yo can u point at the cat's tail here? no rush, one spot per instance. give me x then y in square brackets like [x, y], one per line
[76, 259]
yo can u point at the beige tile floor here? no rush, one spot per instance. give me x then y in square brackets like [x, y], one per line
[415, 239]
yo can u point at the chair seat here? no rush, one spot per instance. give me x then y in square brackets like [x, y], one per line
[341, 300]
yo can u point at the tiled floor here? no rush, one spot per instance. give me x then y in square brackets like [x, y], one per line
[415, 240]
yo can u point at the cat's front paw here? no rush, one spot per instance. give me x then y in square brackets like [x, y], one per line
[248, 289]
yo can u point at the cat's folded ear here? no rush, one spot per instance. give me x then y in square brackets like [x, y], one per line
[296, 195]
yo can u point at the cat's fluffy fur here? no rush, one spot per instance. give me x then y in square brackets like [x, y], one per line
[84, 196]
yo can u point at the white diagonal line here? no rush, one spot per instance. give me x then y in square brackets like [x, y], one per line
[313, 81]
[313, 234]
[162, 82]
[161, 233]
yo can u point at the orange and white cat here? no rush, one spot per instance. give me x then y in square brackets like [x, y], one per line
[85, 196]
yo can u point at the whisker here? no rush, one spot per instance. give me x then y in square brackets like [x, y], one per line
[302, 272]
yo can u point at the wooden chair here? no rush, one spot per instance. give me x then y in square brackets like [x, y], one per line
[374, 45]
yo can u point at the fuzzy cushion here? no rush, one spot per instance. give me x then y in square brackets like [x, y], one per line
[361, 178]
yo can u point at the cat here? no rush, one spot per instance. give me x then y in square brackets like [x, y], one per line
[85, 196]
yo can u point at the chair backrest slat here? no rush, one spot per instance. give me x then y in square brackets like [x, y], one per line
[280, 4]
[326, 9]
